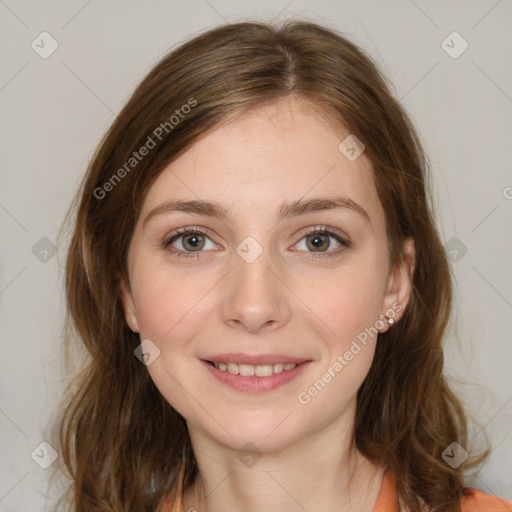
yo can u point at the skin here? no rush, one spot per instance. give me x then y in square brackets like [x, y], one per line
[283, 302]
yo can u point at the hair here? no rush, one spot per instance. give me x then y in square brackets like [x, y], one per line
[123, 445]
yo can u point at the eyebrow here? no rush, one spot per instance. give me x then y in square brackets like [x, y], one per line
[286, 210]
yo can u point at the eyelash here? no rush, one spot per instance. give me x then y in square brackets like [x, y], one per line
[317, 230]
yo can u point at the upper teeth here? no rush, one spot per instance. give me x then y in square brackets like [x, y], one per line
[249, 370]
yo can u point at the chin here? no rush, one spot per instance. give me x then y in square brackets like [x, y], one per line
[267, 432]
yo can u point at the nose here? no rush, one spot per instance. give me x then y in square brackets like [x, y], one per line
[255, 297]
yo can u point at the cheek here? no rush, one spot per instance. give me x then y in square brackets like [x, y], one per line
[350, 311]
[170, 313]
[166, 301]
[348, 301]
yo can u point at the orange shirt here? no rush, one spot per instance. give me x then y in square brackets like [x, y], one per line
[387, 501]
[473, 501]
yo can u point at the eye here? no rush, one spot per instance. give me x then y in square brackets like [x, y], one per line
[192, 240]
[317, 241]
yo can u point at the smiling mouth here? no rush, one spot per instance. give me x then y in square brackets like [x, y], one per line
[249, 370]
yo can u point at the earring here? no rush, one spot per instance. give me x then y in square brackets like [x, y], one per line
[389, 320]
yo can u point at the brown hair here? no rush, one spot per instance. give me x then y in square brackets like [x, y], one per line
[124, 446]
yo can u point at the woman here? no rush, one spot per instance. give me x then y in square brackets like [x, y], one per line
[257, 277]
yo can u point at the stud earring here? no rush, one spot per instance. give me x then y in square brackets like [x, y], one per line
[390, 321]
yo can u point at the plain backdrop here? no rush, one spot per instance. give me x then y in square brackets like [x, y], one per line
[55, 109]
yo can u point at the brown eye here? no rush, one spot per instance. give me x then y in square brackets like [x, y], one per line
[194, 242]
[187, 241]
[319, 241]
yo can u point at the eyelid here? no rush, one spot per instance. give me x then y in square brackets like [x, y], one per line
[322, 228]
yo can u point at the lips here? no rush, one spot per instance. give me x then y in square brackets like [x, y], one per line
[256, 373]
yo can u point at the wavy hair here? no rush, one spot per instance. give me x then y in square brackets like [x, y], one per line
[122, 444]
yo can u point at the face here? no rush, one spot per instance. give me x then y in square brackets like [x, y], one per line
[261, 299]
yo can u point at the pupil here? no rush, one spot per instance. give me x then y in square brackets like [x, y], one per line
[193, 241]
[317, 241]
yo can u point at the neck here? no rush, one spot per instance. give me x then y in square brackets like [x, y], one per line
[321, 472]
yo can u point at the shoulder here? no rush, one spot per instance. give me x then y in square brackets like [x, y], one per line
[477, 501]
[472, 500]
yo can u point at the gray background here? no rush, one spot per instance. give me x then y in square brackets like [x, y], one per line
[54, 111]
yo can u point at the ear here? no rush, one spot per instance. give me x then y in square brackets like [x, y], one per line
[128, 305]
[399, 285]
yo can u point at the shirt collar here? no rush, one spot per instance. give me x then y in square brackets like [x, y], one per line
[387, 501]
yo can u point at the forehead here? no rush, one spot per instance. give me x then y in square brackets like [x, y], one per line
[284, 150]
